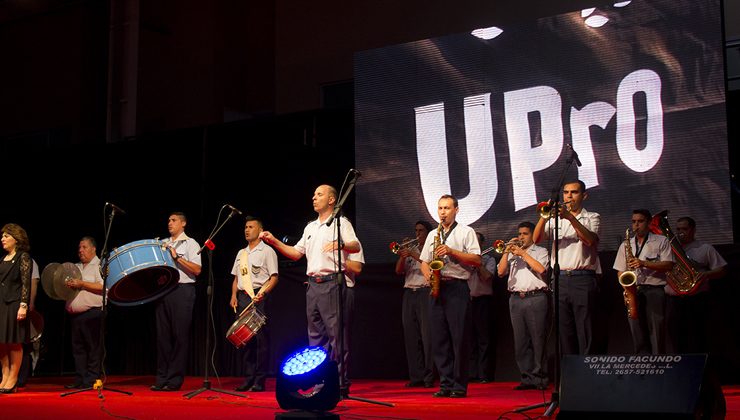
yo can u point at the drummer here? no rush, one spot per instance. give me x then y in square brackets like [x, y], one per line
[255, 275]
[86, 315]
[174, 311]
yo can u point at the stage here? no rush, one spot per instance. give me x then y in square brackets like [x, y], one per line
[41, 399]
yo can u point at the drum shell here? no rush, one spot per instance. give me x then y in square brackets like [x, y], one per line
[140, 272]
[246, 327]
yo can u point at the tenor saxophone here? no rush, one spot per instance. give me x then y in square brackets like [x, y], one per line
[628, 280]
[436, 264]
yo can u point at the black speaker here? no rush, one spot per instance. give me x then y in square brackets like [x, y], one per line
[675, 386]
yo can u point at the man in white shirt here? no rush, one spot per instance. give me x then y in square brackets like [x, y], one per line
[86, 314]
[320, 244]
[450, 313]
[174, 311]
[578, 259]
[529, 300]
[255, 274]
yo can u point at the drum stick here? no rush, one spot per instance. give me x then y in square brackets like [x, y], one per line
[247, 308]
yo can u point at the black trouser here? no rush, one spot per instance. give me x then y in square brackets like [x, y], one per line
[528, 313]
[481, 338]
[174, 316]
[255, 352]
[86, 346]
[576, 306]
[450, 316]
[417, 334]
[648, 331]
[687, 322]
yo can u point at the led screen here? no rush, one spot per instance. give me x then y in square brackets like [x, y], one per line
[496, 116]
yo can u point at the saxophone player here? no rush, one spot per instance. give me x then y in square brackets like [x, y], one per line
[450, 314]
[651, 260]
[687, 314]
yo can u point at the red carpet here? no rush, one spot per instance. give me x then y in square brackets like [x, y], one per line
[41, 400]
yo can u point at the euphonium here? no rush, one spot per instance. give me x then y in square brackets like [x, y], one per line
[500, 246]
[395, 246]
[628, 280]
[436, 264]
[684, 277]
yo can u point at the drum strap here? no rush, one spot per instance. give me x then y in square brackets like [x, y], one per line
[245, 275]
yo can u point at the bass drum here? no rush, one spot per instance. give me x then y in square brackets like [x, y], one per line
[140, 272]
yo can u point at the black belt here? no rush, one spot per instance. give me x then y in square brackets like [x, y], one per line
[452, 279]
[416, 289]
[528, 293]
[578, 272]
[649, 286]
[322, 279]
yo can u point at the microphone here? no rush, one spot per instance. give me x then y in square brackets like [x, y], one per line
[356, 172]
[573, 154]
[234, 209]
[115, 207]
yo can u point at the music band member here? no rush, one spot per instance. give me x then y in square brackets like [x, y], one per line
[481, 305]
[527, 266]
[255, 274]
[319, 244]
[652, 258]
[86, 316]
[687, 315]
[415, 311]
[450, 313]
[578, 259]
[174, 311]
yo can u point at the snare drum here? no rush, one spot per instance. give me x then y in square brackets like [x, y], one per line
[246, 327]
[140, 272]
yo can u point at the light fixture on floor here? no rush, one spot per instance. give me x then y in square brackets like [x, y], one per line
[308, 380]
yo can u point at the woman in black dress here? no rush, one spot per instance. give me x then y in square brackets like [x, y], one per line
[15, 291]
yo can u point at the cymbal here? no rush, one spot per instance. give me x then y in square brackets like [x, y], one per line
[54, 280]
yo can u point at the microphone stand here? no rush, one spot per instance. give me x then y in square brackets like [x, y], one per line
[99, 384]
[209, 297]
[554, 402]
[336, 214]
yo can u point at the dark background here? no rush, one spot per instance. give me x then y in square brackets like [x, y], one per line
[183, 105]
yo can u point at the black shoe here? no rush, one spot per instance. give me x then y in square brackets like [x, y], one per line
[414, 384]
[428, 384]
[344, 392]
[256, 388]
[242, 388]
[484, 381]
[458, 394]
[74, 385]
[170, 388]
[9, 390]
[442, 393]
[523, 387]
[157, 387]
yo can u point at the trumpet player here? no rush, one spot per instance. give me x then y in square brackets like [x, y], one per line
[578, 260]
[450, 313]
[481, 303]
[651, 259]
[527, 264]
[415, 311]
[255, 274]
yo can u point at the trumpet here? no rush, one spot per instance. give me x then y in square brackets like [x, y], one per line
[500, 246]
[546, 208]
[395, 246]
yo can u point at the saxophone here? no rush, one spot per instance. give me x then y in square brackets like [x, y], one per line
[684, 276]
[436, 264]
[628, 280]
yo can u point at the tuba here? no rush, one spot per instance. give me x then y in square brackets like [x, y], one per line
[628, 280]
[684, 277]
[436, 264]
